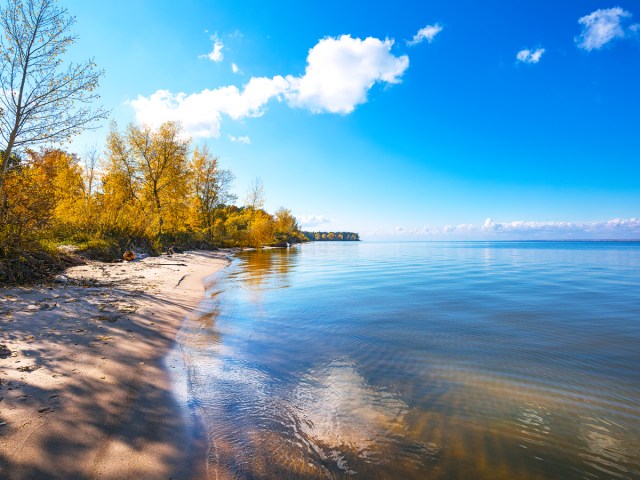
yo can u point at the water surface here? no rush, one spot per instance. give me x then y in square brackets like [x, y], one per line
[421, 360]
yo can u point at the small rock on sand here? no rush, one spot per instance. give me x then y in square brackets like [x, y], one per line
[28, 368]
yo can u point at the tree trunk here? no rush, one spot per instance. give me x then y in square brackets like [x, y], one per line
[159, 209]
[5, 163]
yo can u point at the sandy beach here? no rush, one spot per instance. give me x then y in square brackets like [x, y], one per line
[84, 390]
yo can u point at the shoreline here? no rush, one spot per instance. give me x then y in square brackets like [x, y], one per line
[85, 383]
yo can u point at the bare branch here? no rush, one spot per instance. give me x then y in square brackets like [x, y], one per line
[42, 101]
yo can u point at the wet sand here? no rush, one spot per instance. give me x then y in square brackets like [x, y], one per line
[84, 389]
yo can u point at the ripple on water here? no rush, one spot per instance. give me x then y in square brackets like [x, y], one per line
[452, 360]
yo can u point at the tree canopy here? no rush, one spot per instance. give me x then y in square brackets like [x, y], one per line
[150, 190]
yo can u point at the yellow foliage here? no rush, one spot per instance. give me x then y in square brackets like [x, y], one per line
[150, 189]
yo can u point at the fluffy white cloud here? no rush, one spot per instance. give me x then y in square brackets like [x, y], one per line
[241, 139]
[488, 224]
[234, 68]
[427, 33]
[215, 55]
[339, 73]
[201, 113]
[530, 56]
[313, 222]
[601, 27]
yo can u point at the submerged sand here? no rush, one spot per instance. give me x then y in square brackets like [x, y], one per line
[84, 392]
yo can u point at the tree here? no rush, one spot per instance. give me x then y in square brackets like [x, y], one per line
[254, 200]
[46, 192]
[261, 229]
[90, 174]
[255, 195]
[285, 224]
[149, 168]
[161, 160]
[211, 187]
[42, 101]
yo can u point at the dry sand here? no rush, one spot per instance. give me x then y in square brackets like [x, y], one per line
[84, 392]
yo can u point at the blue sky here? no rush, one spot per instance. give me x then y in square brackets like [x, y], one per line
[443, 120]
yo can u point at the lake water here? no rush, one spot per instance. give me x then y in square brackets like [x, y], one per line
[487, 360]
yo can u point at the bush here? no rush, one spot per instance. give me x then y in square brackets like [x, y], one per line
[101, 249]
[32, 265]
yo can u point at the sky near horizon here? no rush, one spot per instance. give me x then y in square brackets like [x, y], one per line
[414, 120]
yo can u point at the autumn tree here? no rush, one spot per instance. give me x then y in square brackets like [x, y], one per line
[42, 99]
[286, 226]
[212, 189]
[46, 195]
[28, 214]
[149, 168]
[120, 166]
[261, 230]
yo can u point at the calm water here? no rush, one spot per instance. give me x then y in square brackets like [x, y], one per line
[421, 360]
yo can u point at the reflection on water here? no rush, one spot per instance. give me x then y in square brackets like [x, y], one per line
[441, 360]
[342, 413]
[264, 266]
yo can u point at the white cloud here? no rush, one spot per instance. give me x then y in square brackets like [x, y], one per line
[339, 73]
[234, 68]
[215, 55]
[464, 227]
[201, 113]
[530, 56]
[313, 222]
[617, 228]
[601, 27]
[488, 224]
[241, 139]
[427, 33]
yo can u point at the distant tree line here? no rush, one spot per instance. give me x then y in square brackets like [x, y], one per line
[332, 236]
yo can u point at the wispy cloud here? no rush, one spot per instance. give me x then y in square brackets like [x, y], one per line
[339, 74]
[241, 139]
[234, 68]
[313, 222]
[530, 56]
[427, 33]
[215, 55]
[617, 228]
[601, 27]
